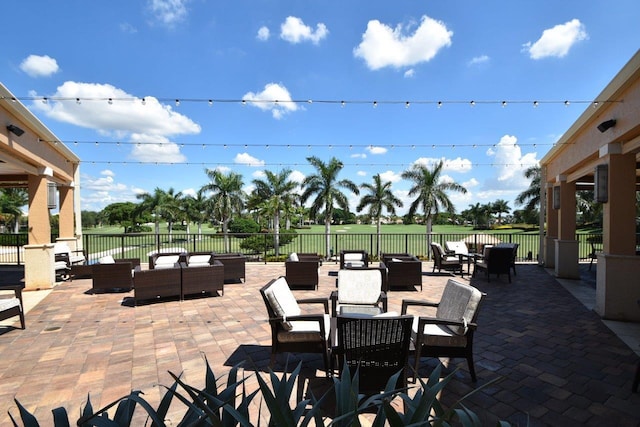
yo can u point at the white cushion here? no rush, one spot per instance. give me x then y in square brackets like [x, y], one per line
[350, 257]
[396, 260]
[107, 259]
[165, 261]
[294, 257]
[359, 286]
[61, 248]
[199, 260]
[282, 301]
[305, 331]
[457, 247]
[7, 303]
[437, 335]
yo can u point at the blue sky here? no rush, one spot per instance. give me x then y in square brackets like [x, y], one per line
[391, 62]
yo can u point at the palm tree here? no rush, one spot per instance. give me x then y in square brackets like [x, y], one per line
[379, 198]
[11, 202]
[326, 187]
[153, 204]
[477, 213]
[499, 207]
[277, 195]
[531, 196]
[430, 193]
[227, 197]
[196, 209]
[172, 209]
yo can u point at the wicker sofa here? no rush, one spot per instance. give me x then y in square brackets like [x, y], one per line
[301, 270]
[157, 283]
[202, 279]
[403, 270]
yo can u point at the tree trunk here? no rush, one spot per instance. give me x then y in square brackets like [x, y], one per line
[327, 231]
[429, 236]
[225, 223]
[378, 222]
[276, 231]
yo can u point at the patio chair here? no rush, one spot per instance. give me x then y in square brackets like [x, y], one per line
[234, 266]
[376, 346]
[292, 331]
[403, 271]
[514, 253]
[166, 259]
[448, 333]
[359, 293]
[354, 258]
[201, 278]
[12, 306]
[494, 260]
[301, 271]
[442, 261]
[115, 275]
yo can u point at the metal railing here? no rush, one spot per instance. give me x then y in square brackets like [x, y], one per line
[139, 245]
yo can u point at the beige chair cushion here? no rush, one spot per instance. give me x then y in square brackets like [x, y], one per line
[7, 303]
[305, 330]
[107, 259]
[294, 257]
[359, 286]
[457, 247]
[199, 260]
[459, 302]
[438, 335]
[282, 301]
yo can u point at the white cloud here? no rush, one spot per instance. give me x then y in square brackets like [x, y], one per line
[376, 150]
[458, 165]
[263, 34]
[259, 174]
[383, 46]
[390, 176]
[294, 31]
[248, 160]
[358, 156]
[223, 169]
[409, 73]
[155, 148]
[510, 164]
[362, 173]
[168, 12]
[297, 176]
[471, 183]
[557, 41]
[189, 192]
[478, 60]
[102, 191]
[107, 172]
[274, 98]
[39, 65]
[126, 27]
[121, 116]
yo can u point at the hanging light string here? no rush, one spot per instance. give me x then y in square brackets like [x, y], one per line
[212, 101]
[306, 146]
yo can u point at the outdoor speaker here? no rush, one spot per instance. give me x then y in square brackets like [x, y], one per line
[52, 199]
[601, 184]
[604, 126]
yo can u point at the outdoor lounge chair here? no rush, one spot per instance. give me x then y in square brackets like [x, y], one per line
[403, 271]
[158, 283]
[494, 260]
[442, 261]
[113, 274]
[292, 331]
[201, 279]
[376, 346]
[12, 306]
[301, 271]
[448, 333]
[353, 258]
[359, 293]
[234, 266]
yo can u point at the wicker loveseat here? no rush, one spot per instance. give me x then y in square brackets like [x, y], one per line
[234, 266]
[113, 274]
[302, 271]
[403, 270]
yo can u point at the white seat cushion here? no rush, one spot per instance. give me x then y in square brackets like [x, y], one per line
[306, 330]
[437, 335]
[294, 257]
[7, 303]
[282, 301]
[165, 261]
[107, 259]
[199, 260]
[457, 247]
[352, 257]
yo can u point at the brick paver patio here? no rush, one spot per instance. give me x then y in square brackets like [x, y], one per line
[554, 361]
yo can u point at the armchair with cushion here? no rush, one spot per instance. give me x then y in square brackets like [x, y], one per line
[359, 293]
[157, 283]
[113, 274]
[302, 271]
[448, 332]
[403, 271]
[443, 261]
[353, 258]
[234, 266]
[202, 278]
[494, 260]
[12, 306]
[377, 346]
[292, 331]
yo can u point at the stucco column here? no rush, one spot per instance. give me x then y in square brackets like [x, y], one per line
[566, 244]
[618, 287]
[552, 230]
[38, 254]
[66, 211]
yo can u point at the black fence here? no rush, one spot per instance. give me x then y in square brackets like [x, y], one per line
[138, 245]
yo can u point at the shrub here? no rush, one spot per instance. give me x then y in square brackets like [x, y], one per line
[244, 225]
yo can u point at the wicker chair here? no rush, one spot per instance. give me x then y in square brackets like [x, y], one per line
[442, 261]
[301, 271]
[158, 283]
[234, 266]
[403, 271]
[359, 292]
[376, 346]
[495, 260]
[450, 332]
[202, 279]
[291, 331]
[115, 276]
[13, 306]
[354, 258]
